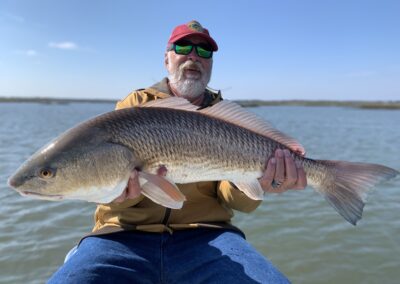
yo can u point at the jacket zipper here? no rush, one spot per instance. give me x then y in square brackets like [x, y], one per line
[166, 216]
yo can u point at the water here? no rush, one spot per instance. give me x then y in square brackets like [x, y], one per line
[298, 231]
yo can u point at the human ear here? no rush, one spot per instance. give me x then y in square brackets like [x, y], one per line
[166, 60]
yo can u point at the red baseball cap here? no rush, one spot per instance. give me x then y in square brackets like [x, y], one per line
[192, 28]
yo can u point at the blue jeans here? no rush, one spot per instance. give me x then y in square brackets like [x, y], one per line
[188, 256]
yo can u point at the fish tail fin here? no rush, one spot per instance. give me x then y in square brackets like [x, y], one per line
[345, 185]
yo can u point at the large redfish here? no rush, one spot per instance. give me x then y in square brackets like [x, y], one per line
[93, 160]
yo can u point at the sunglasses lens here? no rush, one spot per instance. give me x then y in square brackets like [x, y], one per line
[183, 49]
[203, 52]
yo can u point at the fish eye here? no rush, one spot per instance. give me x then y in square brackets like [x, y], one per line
[46, 173]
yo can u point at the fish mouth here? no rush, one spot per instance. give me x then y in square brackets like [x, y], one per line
[12, 182]
[41, 196]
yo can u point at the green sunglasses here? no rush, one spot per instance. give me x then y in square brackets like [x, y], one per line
[186, 48]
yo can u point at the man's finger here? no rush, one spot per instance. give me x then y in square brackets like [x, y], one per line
[301, 177]
[269, 179]
[280, 166]
[269, 173]
[134, 189]
[290, 170]
[122, 197]
[279, 189]
[162, 171]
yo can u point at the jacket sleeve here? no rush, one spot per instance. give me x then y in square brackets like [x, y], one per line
[233, 198]
[133, 99]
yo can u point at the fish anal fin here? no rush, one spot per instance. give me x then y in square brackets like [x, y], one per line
[252, 189]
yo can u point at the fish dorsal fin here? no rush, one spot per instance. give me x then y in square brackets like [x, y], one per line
[233, 113]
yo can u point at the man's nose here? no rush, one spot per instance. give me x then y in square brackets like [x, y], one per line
[193, 55]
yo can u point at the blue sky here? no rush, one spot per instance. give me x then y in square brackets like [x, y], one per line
[271, 50]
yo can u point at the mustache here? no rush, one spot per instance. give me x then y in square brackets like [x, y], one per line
[191, 65]
[178, 75]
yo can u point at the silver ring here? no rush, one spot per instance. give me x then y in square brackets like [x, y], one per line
[276, 184]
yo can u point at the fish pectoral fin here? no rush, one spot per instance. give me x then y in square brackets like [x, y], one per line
[162, 191]
[252, 189]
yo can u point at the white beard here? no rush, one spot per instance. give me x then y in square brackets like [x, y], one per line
[189, 88]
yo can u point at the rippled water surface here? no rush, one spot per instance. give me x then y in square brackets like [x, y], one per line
[298, 231]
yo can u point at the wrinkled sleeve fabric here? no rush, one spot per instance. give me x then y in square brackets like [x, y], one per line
[133, 99]
[233, 198]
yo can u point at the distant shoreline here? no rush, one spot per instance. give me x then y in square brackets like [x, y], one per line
[41, 100]
[311, 103]
[244, 103]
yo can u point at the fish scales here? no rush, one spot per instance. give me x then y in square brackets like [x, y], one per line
[178, 138]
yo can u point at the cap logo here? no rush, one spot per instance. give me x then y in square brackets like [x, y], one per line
[195, 26]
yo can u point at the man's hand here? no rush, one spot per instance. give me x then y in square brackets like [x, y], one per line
[284, 172]
[133, 188]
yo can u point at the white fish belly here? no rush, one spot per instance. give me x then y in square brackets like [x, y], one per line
[188, 173]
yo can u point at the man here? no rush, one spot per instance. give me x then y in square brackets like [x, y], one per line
[138, 241]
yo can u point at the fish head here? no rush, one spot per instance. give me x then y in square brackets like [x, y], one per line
[80, 164]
